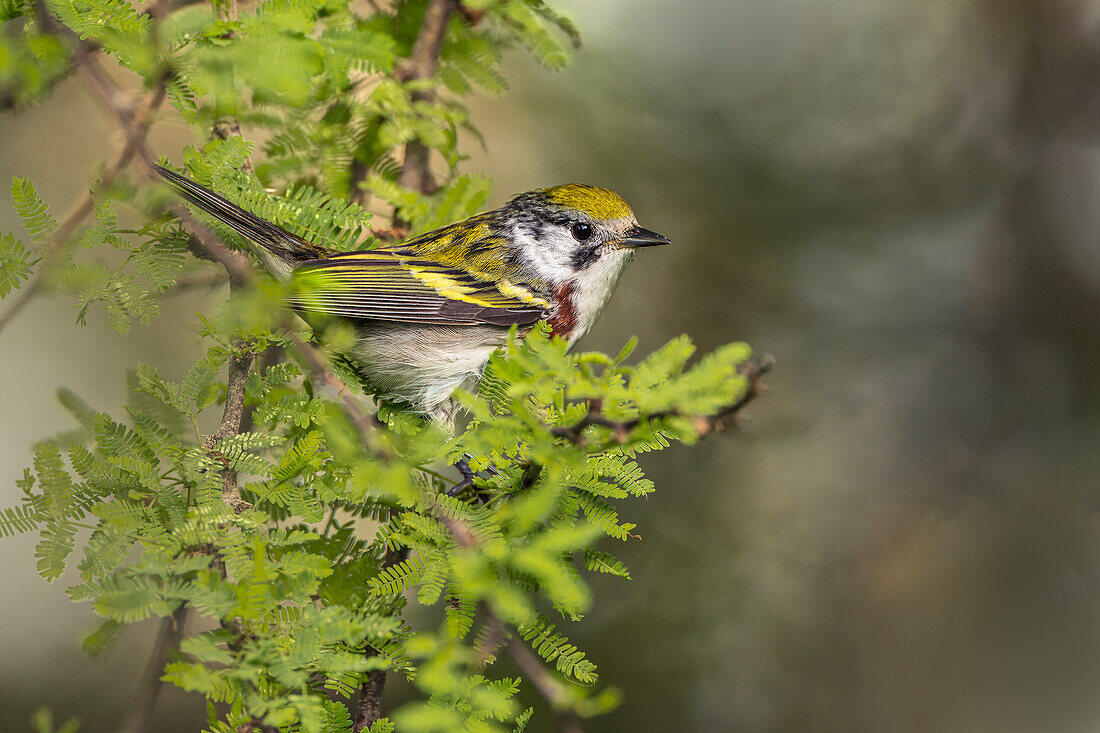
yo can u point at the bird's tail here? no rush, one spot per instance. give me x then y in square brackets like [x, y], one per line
[280, 250]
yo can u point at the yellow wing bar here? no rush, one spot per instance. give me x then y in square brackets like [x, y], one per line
[388, 284]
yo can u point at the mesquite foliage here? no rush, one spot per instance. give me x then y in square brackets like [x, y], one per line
[303, 580]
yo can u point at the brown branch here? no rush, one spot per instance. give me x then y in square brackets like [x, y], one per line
[422, 63]
[315, 360]
[239, 363]
[204, 244]
[753, 370]
[551, 690]
[554, 692]
[369, 708]
[136, 125]
[167, 641]
[231, 127]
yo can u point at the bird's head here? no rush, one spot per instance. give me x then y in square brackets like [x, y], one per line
[563, 231]
[577, 239]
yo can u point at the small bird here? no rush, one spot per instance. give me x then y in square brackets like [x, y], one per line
[430, 311]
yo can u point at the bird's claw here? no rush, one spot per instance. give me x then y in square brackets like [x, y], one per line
[468, 476]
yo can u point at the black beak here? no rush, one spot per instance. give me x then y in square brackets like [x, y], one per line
[638, 237]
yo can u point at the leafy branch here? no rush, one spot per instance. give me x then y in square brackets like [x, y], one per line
[302, 528]
[137, 122]
[619, 431]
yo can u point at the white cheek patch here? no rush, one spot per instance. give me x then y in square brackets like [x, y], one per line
[549, 257]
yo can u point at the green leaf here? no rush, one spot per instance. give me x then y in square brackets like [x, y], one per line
[18, 520]
[15, 264]
[604, 562]
[397, 578]
[32, 210]
[102, 639]
[554, 647]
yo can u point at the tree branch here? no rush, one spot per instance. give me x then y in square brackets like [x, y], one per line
[541, 679]
[415, 174]
[204, 244]
[369, 708]
[423, 62]
[753, 370]
[239, 363]
[136, 125]
[168, 639]
[315, 360]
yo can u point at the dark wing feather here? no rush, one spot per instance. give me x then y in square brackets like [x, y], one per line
[288, 247]
[390, 285]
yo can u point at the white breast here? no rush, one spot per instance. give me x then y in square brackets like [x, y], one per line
[422, 365]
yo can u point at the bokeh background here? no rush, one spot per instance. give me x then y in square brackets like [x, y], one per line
[898, 201]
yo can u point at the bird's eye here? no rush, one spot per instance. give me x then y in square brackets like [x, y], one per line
[580, 231]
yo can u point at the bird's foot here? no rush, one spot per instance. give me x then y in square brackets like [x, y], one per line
[468, 476]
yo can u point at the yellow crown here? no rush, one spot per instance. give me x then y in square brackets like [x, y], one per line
[599, 203]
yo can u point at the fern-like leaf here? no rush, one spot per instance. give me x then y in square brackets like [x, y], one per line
[15, 264]
[32, 210]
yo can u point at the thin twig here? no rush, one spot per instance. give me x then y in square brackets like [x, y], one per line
[540, 678]
[204, 244]
[185, 283]
[168, 640]
[752, 370]
[551, 690]
[137, 128]
[231, 127]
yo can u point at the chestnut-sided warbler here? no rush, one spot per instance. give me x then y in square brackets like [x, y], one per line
[430, 311]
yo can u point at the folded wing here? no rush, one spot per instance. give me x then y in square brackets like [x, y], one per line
[395, 285]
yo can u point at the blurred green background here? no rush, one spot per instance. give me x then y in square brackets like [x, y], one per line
[898, 201]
